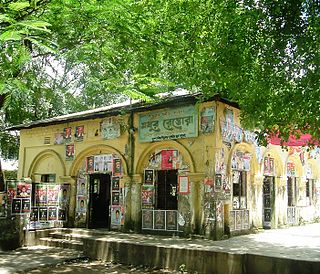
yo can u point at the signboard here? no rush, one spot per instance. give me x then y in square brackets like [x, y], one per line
[168, 124]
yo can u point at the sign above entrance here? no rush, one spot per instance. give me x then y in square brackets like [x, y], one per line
[168, 124]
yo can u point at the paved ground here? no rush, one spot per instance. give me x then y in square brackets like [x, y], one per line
[299, 243]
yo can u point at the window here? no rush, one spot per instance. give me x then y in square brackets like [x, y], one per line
[166, 190]
[239, 189]
[292, 191]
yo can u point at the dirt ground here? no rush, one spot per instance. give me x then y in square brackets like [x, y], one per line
[88, 267]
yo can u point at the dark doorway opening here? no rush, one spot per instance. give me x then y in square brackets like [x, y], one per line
[99, 201]
[167, 190]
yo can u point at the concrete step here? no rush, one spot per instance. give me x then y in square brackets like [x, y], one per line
[62, 243]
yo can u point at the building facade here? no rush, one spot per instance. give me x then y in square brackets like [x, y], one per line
[177, 167]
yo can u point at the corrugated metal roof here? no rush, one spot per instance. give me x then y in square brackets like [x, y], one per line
[115, 109]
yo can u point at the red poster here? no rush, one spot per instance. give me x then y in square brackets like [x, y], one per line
[168, 158]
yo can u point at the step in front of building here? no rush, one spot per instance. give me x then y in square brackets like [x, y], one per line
[62, 243]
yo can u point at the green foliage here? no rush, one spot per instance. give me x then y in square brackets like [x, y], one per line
[10, 174]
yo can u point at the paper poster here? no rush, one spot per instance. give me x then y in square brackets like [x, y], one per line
[147, 196]
[34, 216]
[169, 158]
[25, 205]
[23, 190]
[268, 166]
[159, 219]
[43, 214]
[52, 194]
[115, 198]
[116, 216]
[183, 185]
[81, 186]
[41, 194]
[116, 167]
[115, 183]
[147, 219]
[148, 176]
[207, 120]
[218, 182]
[79, 133]
[16, 206]
[98, 164]
[171, 220]
[62, 216]
[64, 195]
[52, 214]
[90, 164]
[67, 132]
[70, 152]
[58, 138]
[81, 204]
[110, 131]
[11, 191]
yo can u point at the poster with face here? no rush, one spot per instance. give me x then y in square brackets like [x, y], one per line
[52, 213]
[64, 195]
[41, 194]
[115, 183]
[159, 219]
[81, 204]
[147, 219]
[207, 120]
[70, 152]
[147, 196]
[79, 133]
[98, 163]
[148, 176]
[16, 206]
[34, 216]
[62, 216]
[67, 132]
[23, 190]
[52, 194]
[172, 220]
[58, 138]
[169, 159]
[116, 216]
[43, 214]
[115, 198]
[90, 164]
[11, 191]
[26, 205]
[116, 167]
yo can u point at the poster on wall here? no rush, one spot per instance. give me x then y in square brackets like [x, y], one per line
[79, 133]
[43, 214]
[116, 167]
[169, 159]
[147, 219]
[23, 190]
[90, 164]
[70, 152]
[147, 196]
[67, 132]
[11, 191]
[148, 176]
[268, 166]
[81, 204]
[115, 183]
[218, 182]
[171, 220]
[81, 186]
[52, 194]
[159, 219]
[3, 205]
[232, 220]
[25, 205]
[62, 216]
[183, 185]
[64, 195]
[41, 194]
[58, 138]
[116, 216]
[107, 160]
[52, 213]
[208, 116]
[34, 216]
[115, 198]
